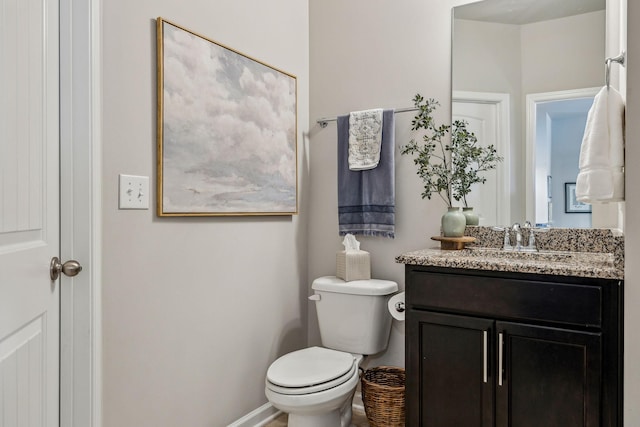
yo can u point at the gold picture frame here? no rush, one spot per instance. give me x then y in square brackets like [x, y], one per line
[227, 130]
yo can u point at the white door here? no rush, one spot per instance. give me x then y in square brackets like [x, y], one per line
[483, 114]
[29, 213]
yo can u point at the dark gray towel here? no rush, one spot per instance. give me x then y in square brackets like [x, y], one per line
[366, 199]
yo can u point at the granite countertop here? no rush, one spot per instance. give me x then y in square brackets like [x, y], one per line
[579, 264]
[596, 253]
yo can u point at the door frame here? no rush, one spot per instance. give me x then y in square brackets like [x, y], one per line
[531, 117]
[80, 212]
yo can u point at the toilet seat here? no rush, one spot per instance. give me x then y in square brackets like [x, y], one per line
[314, 388]
[310, 370]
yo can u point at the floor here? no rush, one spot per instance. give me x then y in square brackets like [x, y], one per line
[359, 420]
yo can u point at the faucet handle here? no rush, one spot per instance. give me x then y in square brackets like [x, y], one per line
[531, 246]
[518, 230]
[532, 242]
[507, 240]
[532, 238]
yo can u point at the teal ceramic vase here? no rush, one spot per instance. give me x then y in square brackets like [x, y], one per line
[453, 223]
[471, 216]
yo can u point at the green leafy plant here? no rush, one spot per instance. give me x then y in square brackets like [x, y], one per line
[447, 169]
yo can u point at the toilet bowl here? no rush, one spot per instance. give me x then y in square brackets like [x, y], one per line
[315, 386]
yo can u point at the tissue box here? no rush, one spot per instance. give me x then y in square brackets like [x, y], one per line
[353, 265]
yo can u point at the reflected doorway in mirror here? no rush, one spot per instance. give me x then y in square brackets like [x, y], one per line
[555, 127]
[487, 116]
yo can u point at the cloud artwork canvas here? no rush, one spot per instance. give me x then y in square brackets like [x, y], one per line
[227, 130]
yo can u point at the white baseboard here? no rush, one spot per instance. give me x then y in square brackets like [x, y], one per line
[257, 417]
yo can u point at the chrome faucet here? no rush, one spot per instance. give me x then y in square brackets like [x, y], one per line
[517, 230]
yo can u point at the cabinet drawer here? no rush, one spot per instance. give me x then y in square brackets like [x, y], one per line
[507, 298]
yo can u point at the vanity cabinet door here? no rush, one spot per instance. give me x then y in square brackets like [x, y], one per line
[450, 370]
[547, 377]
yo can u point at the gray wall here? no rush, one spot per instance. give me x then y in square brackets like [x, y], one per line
[195, 309]
[557, 51]
[377, 54]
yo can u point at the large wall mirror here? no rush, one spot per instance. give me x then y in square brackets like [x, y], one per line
[524, 74]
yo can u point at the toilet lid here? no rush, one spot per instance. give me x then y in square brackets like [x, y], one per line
[310, 366]
[297, 391]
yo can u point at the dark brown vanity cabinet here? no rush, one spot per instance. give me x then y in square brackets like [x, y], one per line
[488, 349]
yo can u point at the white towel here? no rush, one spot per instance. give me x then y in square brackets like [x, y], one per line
[365, 137]
[601, 177]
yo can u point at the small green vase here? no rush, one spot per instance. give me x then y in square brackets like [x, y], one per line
[453, 223]
[472, 217]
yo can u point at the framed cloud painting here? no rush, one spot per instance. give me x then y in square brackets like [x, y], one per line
[227, 130]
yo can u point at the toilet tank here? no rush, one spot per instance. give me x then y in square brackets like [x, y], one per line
[353, 316]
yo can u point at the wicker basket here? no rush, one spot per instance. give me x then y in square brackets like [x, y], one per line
[383, 396]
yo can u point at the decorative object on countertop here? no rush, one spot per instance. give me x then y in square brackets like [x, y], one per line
[447, 169]
[453, 222]
[453, 243]
[352, 263]
[383, 396]
[366, 198]
[471, 216]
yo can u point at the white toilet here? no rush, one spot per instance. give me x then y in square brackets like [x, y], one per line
[315, 386]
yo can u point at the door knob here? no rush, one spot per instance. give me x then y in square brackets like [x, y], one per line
[70, 268]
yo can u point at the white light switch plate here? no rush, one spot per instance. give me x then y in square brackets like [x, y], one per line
[134, 192]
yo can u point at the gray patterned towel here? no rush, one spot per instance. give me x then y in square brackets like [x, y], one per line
[365, 137]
